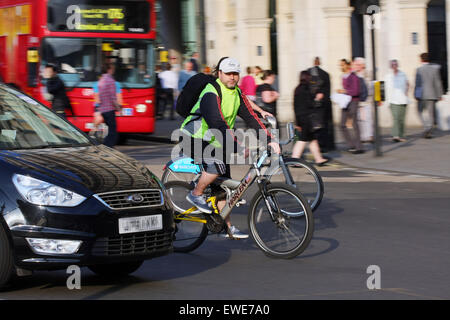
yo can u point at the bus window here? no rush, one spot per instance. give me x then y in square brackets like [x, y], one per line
[134, 62]
[78, 62]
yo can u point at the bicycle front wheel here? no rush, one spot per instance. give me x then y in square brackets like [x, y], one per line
[189, 235]
[289, 229]
[169, 176]
[305, 178]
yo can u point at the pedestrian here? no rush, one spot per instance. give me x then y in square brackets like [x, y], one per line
[351, 87]
[169, 83]
[159, 112]
[365, 119]
[259, 72]
[266, 95]
[248, 85]
[108, 100]
[321, 80]
[185, 74]
[396, 88]
[428, 91]
[194, 60]
[55, 86]
[308, 117]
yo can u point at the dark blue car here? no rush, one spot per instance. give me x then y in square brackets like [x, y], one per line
[66, 201]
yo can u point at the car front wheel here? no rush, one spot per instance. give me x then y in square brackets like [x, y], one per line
[6, 259]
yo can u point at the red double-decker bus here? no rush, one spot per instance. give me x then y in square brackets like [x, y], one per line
[78, 36]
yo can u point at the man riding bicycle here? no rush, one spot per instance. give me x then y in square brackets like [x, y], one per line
[213, 112]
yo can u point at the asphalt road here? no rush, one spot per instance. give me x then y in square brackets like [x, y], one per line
[398, 223]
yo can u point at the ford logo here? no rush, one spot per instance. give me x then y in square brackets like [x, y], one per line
[135, 198]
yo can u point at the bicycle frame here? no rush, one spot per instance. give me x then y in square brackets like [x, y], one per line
[236, 194]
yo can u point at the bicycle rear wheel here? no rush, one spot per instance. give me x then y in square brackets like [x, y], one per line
[306, 179]
[189, 235]
[290, 230]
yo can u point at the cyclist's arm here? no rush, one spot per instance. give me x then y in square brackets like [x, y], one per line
[251, 119]
[212, 113]
[262, 112]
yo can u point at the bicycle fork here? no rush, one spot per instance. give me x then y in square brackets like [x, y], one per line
[287, 173]
[269, 201]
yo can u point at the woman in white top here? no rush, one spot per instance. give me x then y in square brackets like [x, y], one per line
[397, 87]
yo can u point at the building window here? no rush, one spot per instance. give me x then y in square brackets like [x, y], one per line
[259, 51]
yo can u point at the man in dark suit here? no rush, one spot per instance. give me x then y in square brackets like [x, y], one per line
[321, 80]
[428, 91]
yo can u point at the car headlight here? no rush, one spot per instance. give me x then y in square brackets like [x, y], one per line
[43, 193]
[54, 246]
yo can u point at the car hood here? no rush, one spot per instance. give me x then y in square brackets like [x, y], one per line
[96, 168]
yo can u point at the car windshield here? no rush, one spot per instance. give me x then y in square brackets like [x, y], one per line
[27, 124]
[80, 60]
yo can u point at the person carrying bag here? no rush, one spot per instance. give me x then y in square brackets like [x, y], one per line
[308, 108]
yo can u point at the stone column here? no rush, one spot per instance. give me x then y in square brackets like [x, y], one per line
[253, 30]
[413, 15]
[447, 22]
[443, 107]
[286, 74]
[338, 34]
[414, 21]
[338, 21]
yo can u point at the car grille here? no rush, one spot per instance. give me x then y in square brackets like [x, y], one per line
[132, 244]
[120, 200]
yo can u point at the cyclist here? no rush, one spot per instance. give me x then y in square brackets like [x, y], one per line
[211, 112]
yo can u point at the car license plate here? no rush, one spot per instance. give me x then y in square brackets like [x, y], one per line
[140, 224]
[127, 111]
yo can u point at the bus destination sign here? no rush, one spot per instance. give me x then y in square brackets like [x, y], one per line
[96, 18]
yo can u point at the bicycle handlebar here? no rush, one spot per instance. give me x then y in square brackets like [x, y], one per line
[271, 123]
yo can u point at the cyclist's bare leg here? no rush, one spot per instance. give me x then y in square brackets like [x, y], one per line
[220, 206]
[205, 180]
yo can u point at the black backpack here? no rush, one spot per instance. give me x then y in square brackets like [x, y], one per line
[191, 93]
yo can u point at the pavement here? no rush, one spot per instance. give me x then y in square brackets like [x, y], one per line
[429, 157]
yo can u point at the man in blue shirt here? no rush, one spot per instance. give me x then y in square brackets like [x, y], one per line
[185, 74]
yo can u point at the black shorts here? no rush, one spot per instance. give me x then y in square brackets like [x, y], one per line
[213, 160]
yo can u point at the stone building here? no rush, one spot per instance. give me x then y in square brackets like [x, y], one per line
[285, 35]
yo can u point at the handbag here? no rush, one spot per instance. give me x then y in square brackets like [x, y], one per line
[315, 121]
[315, 117]
[418, 89]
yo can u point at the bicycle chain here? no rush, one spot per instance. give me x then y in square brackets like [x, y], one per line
[214, 223]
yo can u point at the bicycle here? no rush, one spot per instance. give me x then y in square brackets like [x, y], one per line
[280, 219]
[292, 171]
